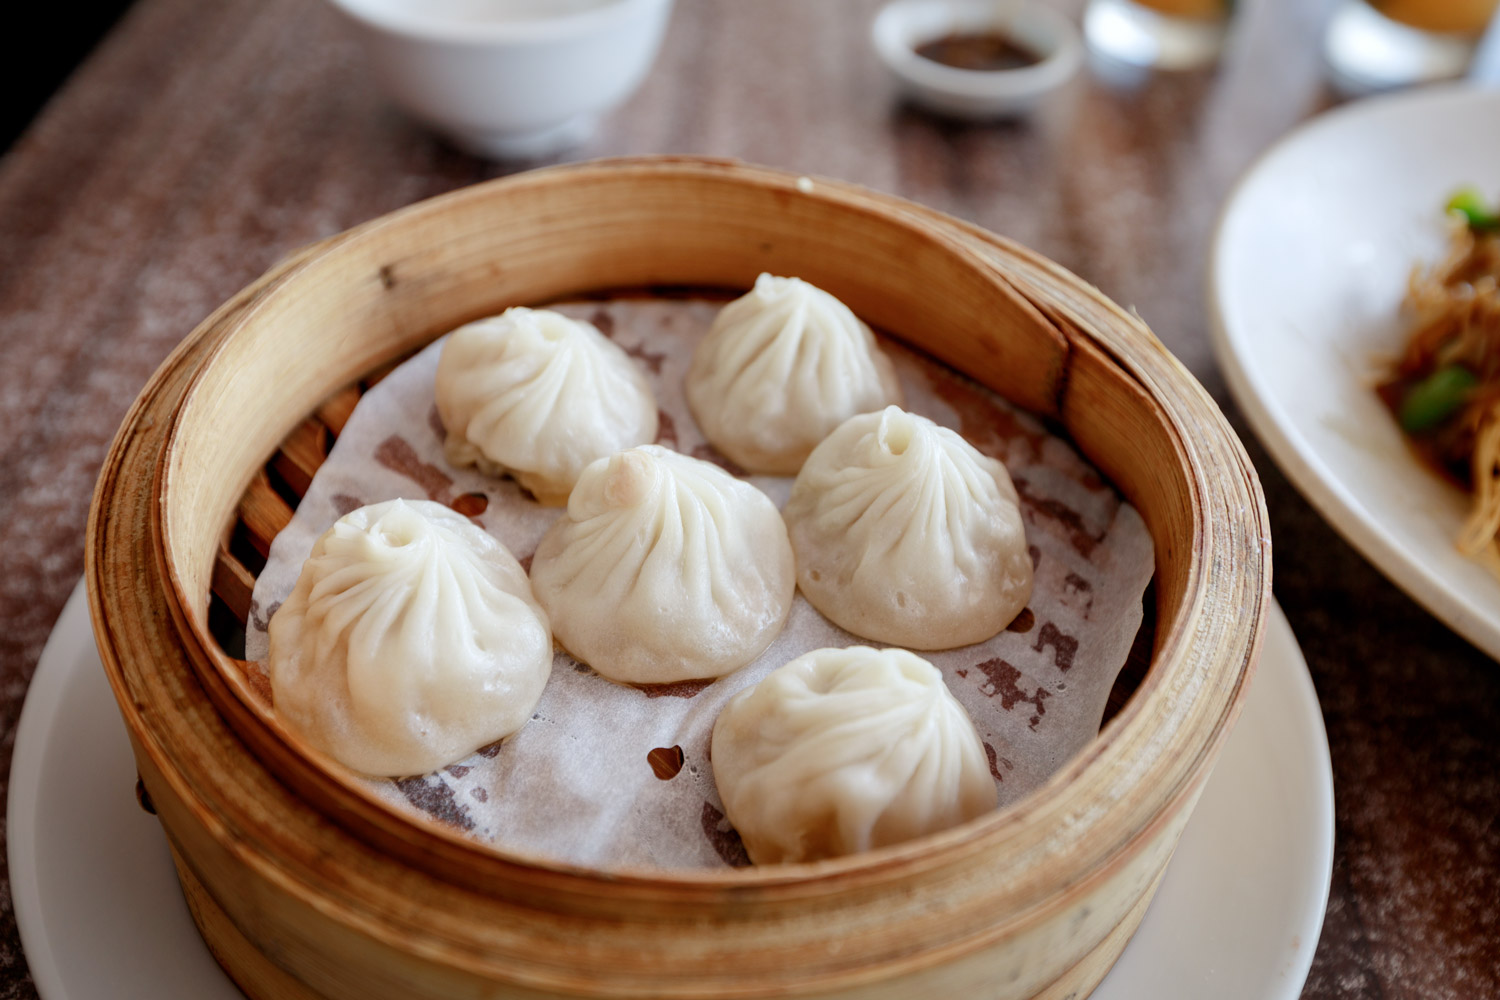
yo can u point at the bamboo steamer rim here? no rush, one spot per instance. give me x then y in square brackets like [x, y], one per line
[1121, 337]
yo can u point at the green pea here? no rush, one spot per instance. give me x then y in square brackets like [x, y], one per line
[1469, 203]
[1436, 398]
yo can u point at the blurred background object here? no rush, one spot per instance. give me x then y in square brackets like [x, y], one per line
[977, 59]
[57, 41]
[1379, 44]
[509, 78]
[1484, 69]
[1163, 34]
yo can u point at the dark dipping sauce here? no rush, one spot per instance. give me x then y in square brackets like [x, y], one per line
[985, 52]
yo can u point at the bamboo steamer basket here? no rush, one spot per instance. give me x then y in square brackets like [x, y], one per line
[306, 887]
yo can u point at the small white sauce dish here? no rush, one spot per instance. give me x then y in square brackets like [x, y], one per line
[509, 78]
[904, 26]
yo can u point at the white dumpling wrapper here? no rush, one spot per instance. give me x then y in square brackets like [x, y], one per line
[906, 534]
[665, 568]
[780, 368]
[537, 395]
[411, 640]
[845, 750]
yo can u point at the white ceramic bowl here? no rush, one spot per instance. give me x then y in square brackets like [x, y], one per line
[901, 27]
[509, 78]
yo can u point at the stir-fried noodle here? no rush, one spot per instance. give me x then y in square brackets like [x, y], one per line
[1445, 389]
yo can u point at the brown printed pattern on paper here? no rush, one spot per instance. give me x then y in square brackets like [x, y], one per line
[666, 433]
[1003, 681]
[724, 838]
[996, 761]
[345, 504]
[602, 319]
[677, 689]
[1083, 541]
[432, 795]
[653, 360]
[1078, 593]
[1064, 647]
[396, 454]
[991, 430]
[258, 622]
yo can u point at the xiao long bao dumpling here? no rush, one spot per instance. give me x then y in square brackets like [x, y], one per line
[781, 367]
[844, 750]
[905, 534]
[539, 396]
[665, 568]
[411, 640]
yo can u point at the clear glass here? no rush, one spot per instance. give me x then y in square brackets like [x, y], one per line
[1164, 34]
[1380, 44]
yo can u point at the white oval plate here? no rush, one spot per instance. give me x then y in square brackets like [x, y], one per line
[1236, 918]
[1309, 267]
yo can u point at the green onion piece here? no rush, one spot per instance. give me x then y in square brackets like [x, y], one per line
[1436, 398]
[1470, 204]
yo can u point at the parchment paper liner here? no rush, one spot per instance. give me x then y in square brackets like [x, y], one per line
[606, 775]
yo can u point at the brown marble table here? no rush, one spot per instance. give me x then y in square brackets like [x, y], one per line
[203, 141]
